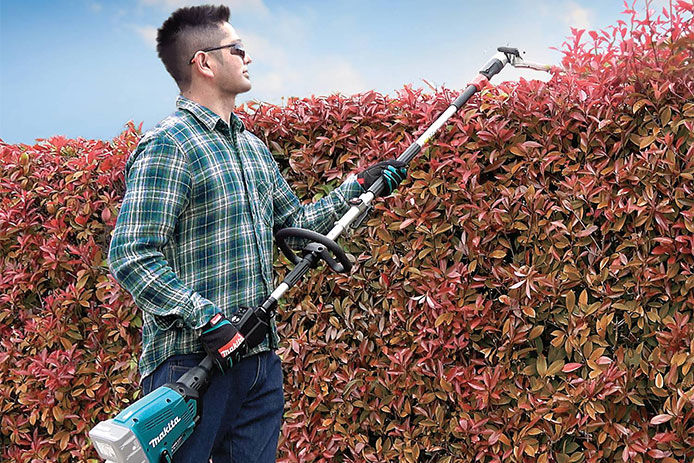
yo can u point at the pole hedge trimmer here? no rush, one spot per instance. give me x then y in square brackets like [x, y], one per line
[154, 427]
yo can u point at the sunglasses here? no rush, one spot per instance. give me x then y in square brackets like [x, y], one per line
[234, 48]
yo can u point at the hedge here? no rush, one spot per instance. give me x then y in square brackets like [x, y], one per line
[526, 295]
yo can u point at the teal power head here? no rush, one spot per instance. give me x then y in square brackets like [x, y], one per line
[151, 429]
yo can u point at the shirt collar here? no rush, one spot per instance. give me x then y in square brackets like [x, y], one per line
[206, 115]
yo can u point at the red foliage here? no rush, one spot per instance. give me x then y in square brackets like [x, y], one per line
[67, 346]
[526, 295]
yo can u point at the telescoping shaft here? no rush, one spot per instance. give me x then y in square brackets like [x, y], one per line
[322, 246]
[361, 205]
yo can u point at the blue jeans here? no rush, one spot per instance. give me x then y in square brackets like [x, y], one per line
[241, 410]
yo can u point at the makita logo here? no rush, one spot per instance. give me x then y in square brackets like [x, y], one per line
[167, 429]
[231, 346]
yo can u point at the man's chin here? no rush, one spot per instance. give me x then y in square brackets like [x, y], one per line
[241, 87]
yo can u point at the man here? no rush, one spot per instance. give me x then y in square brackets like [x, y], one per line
[193, 240]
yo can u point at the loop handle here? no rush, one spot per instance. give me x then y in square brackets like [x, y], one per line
[321, 246]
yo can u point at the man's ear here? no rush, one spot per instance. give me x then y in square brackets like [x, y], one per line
[203, 65]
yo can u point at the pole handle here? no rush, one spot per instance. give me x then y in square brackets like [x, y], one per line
[196, 378]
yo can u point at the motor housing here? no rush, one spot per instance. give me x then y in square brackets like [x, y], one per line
[151, 429]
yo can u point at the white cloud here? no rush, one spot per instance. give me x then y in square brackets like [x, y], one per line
[336, 74]
[148, 35]
[270, 83]
[281, 68]
[566, 12]
[284, 64]
[321, 76]
[577, 16]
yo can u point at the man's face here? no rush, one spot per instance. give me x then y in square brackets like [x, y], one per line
[231, 73]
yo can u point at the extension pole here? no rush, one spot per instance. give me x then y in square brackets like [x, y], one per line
[360, 206]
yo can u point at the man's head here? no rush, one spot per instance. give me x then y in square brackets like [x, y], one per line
[181, 42]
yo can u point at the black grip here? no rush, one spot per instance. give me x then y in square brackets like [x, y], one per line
[492, 68]
[342, 264]
[196, 378]
[463, 97]
[377, 187]
[509, 51]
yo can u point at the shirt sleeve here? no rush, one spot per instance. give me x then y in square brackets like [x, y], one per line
[319, 216]
[158, 188]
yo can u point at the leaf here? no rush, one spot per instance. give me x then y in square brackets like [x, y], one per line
[517, 151]
[58, 413]
[570, 301]
[446, 318]
[405, 223]
[569, 367]
[678, 359]
[535, 332]
[640, 104]
[587, 232]
[555, 367]
[656, 453]
[659, 381]
[646, 141]
[660, 419]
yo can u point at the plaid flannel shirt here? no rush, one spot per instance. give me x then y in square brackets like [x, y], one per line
[194, 236]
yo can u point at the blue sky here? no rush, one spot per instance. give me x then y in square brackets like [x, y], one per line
[83, 68]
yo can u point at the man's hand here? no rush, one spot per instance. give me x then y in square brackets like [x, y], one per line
[221, 339]
[392, 171]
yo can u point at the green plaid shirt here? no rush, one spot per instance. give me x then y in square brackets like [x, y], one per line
[194, 236]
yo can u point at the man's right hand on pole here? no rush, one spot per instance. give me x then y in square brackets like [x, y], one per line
[392, 171]
[220, 339]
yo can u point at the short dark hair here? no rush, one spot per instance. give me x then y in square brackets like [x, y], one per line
[186, 31]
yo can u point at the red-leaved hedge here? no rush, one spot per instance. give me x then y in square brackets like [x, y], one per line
[526, 295]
